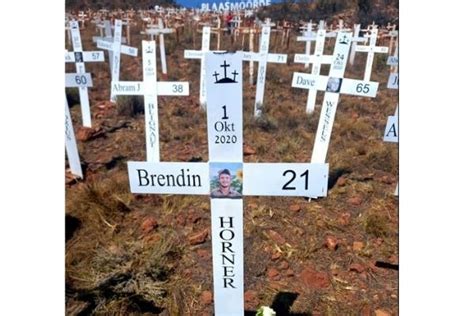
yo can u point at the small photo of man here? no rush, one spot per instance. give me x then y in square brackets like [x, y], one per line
[226, 180]
[334, 85]
[78, 57]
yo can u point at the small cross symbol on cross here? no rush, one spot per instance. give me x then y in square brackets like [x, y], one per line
[215, 74]
[235, 73]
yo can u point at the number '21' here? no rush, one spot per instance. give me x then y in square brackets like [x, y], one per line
[293, 176]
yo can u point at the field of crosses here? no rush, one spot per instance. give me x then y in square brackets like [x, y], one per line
[151, 110]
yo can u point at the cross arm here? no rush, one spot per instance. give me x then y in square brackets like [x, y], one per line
[91, 56]
[376, 49]
[78, 80]
[323, 59]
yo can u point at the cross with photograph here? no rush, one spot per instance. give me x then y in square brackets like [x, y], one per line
[226, 180]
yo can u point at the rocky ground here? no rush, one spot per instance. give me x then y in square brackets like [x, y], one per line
[151, 254]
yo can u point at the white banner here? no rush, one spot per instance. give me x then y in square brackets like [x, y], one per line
[285, 179]
[169, 177]
[224, 106]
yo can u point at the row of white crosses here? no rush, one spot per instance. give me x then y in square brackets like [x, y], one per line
[81, 79]
[225, 139]
[334, 84]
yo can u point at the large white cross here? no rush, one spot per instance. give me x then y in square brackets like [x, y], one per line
[71, 145]
[316, 59]
[225, 138]
[263, 57]
[334, 84]
[80, 57]
[371, 49]
[150, 89]
[117, 49]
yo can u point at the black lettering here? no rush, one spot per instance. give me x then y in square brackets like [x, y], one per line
[228, 259]
[232, 234]
[224, 222]
[140, 177]
[228, 281]
[226, 245]
[194, 180]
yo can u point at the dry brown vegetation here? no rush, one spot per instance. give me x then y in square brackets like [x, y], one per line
[135, 254]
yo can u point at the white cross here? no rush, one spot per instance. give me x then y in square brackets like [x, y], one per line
[371, 49]
[160, 30]
[150, 89]
[391, 133]
[71, 146]
[107, 38]
[263, 57]
[82, 18]
[307, 33]
[334, 84]
[225, 138]
[200, 54]
[316, 59]
[117, 48]
[356, 39]
[80, 57]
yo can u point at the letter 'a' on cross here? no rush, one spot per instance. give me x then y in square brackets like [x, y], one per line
[391, 133]
[334, 84]
[223, 178]
[71, 145]
[117, 48]
[150, 89]
[79, 57]
[263, 57]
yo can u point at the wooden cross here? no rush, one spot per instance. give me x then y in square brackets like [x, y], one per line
[222, 178]
[80, 57]
[150, 89]
[263, 57]
[371, 49]
[117, 48]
